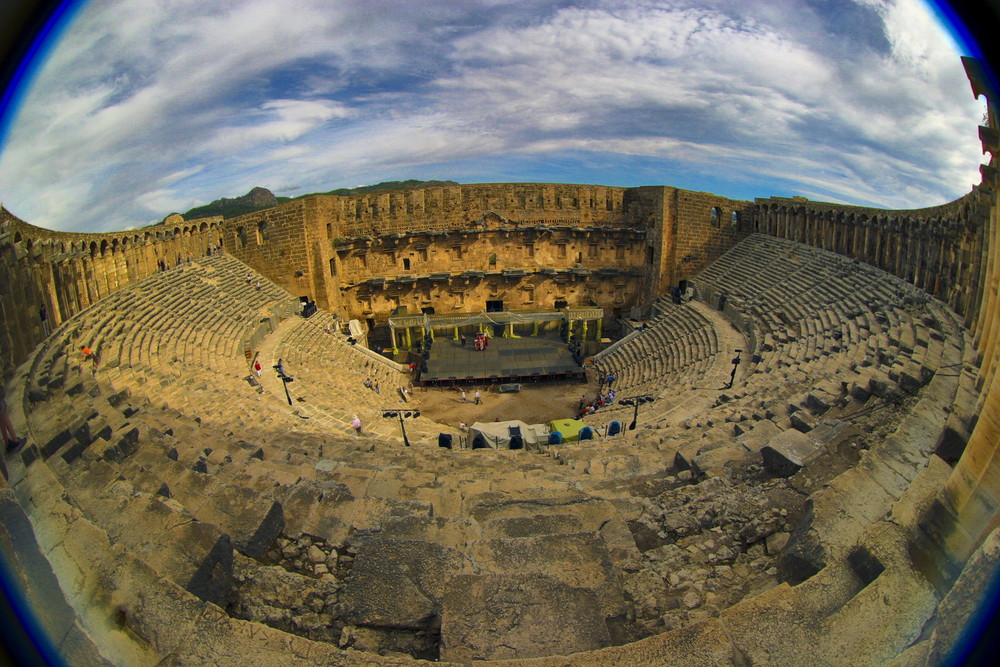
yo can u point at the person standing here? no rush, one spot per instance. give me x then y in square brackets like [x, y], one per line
[478, 397]
[464, 398]
[43, 315]
[256, 368]
[356, 423]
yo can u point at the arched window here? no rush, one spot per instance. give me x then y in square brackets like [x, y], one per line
[716, 214]
[736, 219]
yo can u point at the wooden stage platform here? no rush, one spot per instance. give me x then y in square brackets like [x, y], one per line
[506, 360]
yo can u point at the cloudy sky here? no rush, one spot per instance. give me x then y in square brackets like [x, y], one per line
[146, 107]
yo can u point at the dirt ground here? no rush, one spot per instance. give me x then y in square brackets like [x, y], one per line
[534, 404]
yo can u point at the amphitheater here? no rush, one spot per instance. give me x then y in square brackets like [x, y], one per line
[836, 505]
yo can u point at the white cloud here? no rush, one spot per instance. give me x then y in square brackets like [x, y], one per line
[150, 104]
[278, 121]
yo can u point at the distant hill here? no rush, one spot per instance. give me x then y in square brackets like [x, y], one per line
[260, 198]
[384, 186]
[255, 200]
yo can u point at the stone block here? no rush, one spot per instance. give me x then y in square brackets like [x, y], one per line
[29, 455]
[579, 560]
[818, 402]
[508, 617]
[908, 382]
[714, 461]
[252, 522]
[833, 432]
[802, 421]
[56, 443]
[398, 583]
[859, 392]
[758, 437]
[82, 433]
[36, 395]
[788, 452]
[73, 452]
[879, 386]
[685, 455]
[126, 446]
[117, 399]
[131, 436]
[212, 578]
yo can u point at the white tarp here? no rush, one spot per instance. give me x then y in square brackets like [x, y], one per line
[497, 434]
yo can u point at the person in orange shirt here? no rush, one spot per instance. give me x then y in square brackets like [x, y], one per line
[89, 354]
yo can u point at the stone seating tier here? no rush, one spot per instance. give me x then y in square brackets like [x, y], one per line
[675, 532]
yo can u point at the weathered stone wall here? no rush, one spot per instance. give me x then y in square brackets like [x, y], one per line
[530, 245]
[68, 272]
[273, 241]
[938, 249]
[453, 248]
[949, 251]
[966, 510]
[459, 206]
[527, 268]
[704, 227]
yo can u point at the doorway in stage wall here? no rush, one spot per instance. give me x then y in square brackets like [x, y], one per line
[494, 306]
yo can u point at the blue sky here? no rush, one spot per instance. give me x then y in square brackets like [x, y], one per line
[146, 107]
